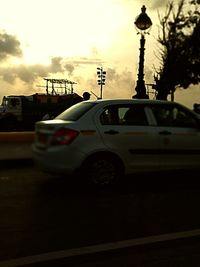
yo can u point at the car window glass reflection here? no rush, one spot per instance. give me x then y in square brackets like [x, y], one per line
[124, 115]
[135, 116]
[174, 117]
[110, 116]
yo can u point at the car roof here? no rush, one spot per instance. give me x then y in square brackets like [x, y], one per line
[130, 100]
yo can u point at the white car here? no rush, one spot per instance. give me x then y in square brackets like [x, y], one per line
[105, 139]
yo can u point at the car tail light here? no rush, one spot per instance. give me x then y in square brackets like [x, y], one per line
[64, 136]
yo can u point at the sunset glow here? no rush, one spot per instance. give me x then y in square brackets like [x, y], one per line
[70, 39]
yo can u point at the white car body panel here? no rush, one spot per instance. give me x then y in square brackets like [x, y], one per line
[181, 147]
[139, 147]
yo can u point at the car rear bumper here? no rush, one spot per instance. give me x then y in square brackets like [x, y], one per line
[55, 161]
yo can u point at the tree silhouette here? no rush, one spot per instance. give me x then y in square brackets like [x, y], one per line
[180, 48]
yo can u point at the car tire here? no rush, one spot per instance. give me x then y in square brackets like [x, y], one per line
[102, 170]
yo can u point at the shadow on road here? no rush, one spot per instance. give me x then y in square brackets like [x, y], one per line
[163, 181]
[16, 163]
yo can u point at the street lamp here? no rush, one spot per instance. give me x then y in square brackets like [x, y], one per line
[142, 23]
[101, 80]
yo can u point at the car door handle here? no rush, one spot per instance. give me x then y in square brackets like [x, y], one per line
[111, 132]
[165, 133]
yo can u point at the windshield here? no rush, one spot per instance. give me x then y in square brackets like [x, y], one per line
[76, 111]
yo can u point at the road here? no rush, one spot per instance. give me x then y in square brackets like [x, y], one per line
[42, 214]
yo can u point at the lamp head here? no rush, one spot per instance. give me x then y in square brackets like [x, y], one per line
[143, 21]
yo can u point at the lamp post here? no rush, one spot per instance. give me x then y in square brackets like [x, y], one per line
[142, 23]
[101, 80]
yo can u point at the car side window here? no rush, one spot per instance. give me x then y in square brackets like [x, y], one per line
[174, 116]
[110, 116]
[124, 115]
[185, 119]
[135, 116]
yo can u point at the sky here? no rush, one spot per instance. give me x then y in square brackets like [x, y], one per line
[70, 39]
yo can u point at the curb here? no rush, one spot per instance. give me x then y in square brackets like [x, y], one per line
[15, 146]
[17, 136]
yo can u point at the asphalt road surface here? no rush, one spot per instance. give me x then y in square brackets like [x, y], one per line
[143, 221]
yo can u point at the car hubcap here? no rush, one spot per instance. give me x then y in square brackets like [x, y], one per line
[103, 172]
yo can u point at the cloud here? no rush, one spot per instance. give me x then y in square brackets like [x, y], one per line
[153, 4]
[30, 73]
[27, 74]
[83, 61]
[56, 65]
[70, 68]
[156, 4]
[9, 46]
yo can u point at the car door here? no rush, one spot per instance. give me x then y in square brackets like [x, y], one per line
[132, 137]
[179, 136]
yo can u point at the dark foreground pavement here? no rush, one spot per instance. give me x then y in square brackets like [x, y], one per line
[44, 214]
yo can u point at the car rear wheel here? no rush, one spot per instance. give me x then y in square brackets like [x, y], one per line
[101, 170]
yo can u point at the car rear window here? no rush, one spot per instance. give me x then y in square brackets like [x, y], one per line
[76, 111]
